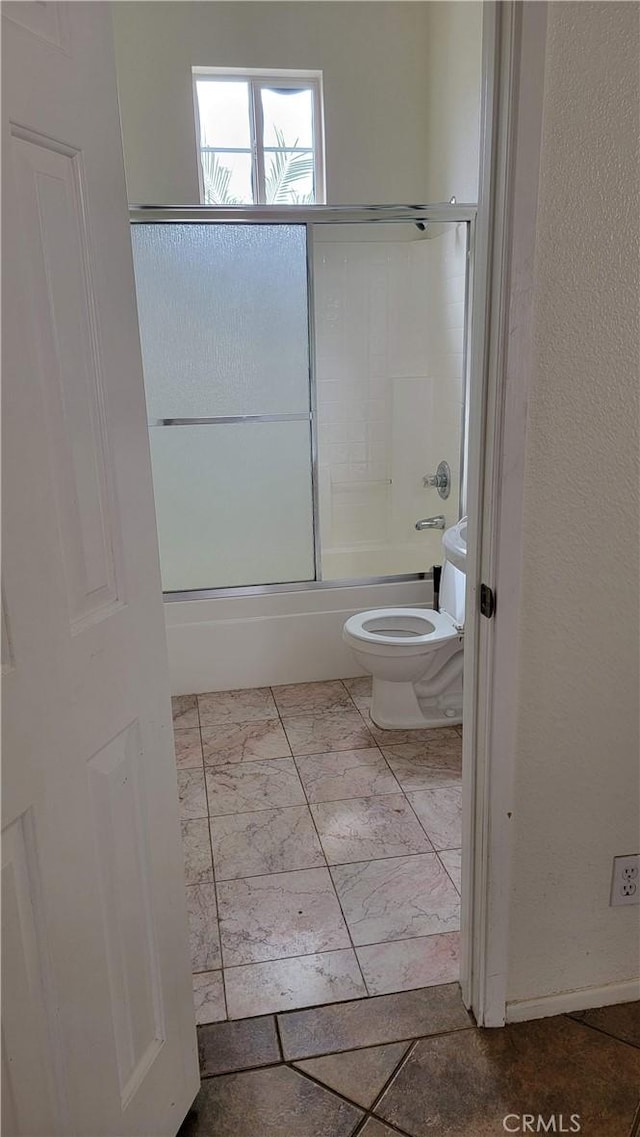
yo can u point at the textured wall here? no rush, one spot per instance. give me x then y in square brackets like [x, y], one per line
[577, 786]
[375, 89]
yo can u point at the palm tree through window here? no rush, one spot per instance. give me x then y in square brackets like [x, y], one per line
[259, 138]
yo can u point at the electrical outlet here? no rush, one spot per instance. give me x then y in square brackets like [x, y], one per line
[625, 882]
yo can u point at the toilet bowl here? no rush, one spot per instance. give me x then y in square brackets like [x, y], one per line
[415, 655]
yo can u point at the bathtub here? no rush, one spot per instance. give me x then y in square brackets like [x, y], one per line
[247, 640]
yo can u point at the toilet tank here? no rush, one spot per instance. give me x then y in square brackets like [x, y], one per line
[452, 590]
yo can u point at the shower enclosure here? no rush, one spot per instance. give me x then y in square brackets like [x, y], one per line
[305, 373]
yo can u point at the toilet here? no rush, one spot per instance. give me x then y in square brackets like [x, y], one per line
[415, 655]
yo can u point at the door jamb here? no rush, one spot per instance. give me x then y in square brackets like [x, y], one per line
[514, 36]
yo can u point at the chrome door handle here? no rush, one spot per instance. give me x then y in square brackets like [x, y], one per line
[438, 522]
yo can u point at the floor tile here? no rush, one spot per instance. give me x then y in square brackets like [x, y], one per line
[440, 812]
[248, 786]
[346, 774]
[310, 698]
[191, 794]
[620, 1021]
[369, 1022]
[268, 841]
[406, 964]
[188, 748]
[229, 1046]
[244, 742]
[440, 748]
[321, 734]
[196, 850]
[413, 773]
[360, 690]
[428, 739]
[359, 1075]
[452, 861]
[278, 1102]
[286, 914]
[283, 984]
[551, 1066]
[203, 927]
[185, 711]
[208, 997]
[375, 1128]
[396, 899]
[367, 828]
[249, 705]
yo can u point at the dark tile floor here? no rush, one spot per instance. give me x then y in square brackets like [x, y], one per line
[414, 1064]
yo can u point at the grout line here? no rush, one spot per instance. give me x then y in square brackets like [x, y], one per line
[411, 1044]
[335, 893]
[339, 864]
[333, 951]
[279, 1037]
[601, 1030]
[215, 885]
[297, 805]
[242, 1069]
[438, 851]
[422, 825]
[405, 1058]
[224, 984]
[370, 1045]
[285, 959]
[291, 1063]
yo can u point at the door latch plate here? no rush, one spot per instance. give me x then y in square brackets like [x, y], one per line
[487, 601]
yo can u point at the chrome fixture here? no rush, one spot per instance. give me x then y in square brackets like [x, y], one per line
[431, 523]
[441, 480]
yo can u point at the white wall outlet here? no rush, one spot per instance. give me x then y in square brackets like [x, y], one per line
[625, 882]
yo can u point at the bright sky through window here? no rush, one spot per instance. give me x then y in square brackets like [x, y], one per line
[259, 140]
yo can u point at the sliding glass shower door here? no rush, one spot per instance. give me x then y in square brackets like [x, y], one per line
[224, 327]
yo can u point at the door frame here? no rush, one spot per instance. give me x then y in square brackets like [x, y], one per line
[514, 36]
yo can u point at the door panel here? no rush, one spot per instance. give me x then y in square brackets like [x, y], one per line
[223, 319]
[224, 324]
[234, 503]
[98, 1024]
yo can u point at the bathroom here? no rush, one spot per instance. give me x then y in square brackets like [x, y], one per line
[322, 843]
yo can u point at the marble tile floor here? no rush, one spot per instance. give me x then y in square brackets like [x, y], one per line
[413, 1064]
[322, 854]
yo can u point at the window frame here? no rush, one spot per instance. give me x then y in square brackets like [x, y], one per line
[257, 80]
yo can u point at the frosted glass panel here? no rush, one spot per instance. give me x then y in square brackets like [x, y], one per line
[223, 319]
[233, 503]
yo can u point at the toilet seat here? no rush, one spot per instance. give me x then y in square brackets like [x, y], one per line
[412, 629]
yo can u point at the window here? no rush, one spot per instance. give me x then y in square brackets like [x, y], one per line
[259, 137]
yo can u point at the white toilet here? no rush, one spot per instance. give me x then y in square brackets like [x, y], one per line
[415, 655]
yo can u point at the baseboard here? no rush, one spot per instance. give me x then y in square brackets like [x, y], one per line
[565, 1002]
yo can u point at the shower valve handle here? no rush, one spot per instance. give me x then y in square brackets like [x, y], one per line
[441, 480]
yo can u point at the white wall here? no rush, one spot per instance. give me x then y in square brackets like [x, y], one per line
[577, 774]
[373, 57]
[454, 72]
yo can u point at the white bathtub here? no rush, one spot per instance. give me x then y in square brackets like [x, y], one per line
[283, 637]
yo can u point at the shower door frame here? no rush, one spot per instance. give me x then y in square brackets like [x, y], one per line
[310, 216]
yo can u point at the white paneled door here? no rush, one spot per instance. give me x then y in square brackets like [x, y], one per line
[98, 1036]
